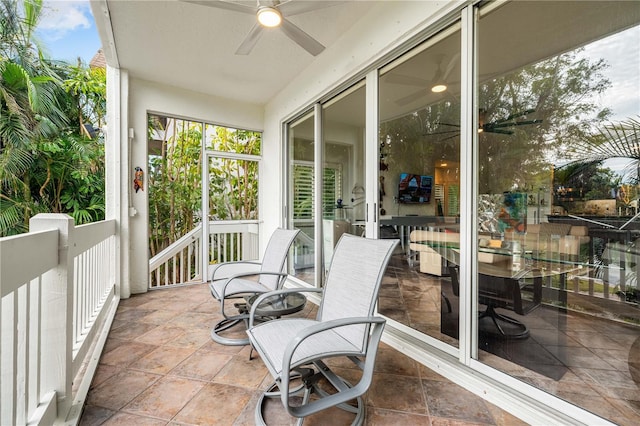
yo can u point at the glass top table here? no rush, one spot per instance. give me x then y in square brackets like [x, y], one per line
[500, 261]
[278, 305]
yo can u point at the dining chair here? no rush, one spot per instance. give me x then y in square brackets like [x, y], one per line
[295, 350]
[243, 279]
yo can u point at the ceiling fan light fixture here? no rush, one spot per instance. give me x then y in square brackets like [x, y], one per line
[269, 17]
[439, 88]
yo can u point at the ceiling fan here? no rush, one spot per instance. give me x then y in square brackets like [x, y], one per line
[503, 126]
[437, 84]
[272, 14]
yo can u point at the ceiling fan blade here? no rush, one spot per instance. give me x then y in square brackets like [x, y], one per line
[219, 4]
[443, 139]
[519, 114]
[442, 133]
[305, 41]
[290, 8]
[411, 98]
[407, 80]
[250, 40]
[452, 63]
[512, 123]
[492, 130]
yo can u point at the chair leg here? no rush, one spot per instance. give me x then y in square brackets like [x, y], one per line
[226, 324]
[446, 300]
[273, 392]
[309, 386]
[522, 332]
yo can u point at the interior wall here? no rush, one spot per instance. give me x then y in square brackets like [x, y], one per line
[146, 97]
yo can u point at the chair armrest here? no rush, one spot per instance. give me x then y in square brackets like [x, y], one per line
[233, 266]
[263, 296]
[344, 395]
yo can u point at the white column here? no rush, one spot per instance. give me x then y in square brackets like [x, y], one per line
[117, 173]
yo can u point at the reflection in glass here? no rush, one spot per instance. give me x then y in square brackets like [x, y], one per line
[557, 198]
[419, 175]
[302, 197]
[343, 197]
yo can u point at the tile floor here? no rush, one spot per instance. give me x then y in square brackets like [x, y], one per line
[160, 367]
[589, 361]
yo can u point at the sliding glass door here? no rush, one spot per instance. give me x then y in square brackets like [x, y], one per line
[302, 197]
[343, 200]
[507, 165]
[419, 183]
[557, 142]
[327, 180]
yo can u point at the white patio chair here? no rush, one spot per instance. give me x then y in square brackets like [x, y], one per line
[295, 348]
[243, 279]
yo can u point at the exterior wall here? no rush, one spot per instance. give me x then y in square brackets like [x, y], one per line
[144, 97]
[387, 25]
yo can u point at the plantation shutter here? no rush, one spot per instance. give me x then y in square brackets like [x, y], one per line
[304, 193]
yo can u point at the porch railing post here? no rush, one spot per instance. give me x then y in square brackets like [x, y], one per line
[56, 308]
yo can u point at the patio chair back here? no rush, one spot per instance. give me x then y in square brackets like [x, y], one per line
[275, 256]
[353, 282]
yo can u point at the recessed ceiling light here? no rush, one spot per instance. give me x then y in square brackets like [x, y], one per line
[439, 88]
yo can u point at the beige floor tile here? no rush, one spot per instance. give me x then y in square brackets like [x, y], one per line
[168, 332]
[202, 365]
[215, 404]
[126, 419]
[243, 372]
[378, 416]
[165, 398]
[120, 389]
[126, 353]
[162, 360]
[398, 393]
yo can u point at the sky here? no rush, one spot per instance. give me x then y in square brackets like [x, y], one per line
[68, 31]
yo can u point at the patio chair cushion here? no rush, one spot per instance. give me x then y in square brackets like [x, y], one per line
[236, 286]
[271, 339]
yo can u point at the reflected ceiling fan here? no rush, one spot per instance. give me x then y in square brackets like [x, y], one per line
[437, 84]
[272, 14]
[504, 126]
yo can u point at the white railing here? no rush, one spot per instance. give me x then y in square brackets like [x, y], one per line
[181, 263]
[59, 297]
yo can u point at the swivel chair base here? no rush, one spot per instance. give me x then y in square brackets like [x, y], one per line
[309, 385]
[515, 330]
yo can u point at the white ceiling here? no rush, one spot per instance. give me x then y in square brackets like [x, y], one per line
[192, 46]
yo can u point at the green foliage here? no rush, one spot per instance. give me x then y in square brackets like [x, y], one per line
[233, 183]
[46, 164]
[557, 91]
[174, 176]
[89, 90]
[174, 182]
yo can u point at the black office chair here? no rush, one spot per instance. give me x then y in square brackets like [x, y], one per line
[495, 292]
